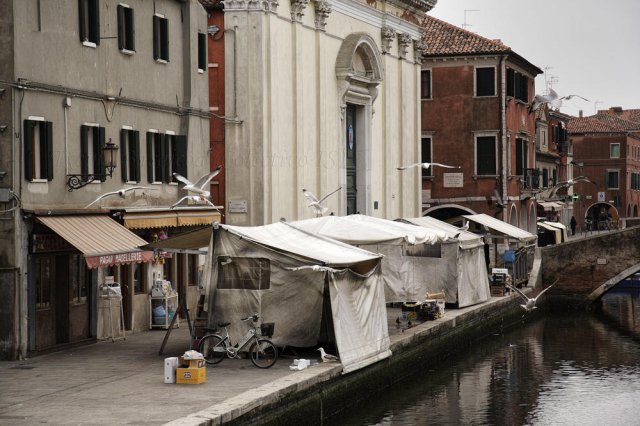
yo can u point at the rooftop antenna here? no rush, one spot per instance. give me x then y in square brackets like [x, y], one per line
[465, 25]
[553, 79]
[595, 106]
[546, 81]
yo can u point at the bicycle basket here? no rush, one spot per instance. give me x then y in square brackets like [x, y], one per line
[266, 329]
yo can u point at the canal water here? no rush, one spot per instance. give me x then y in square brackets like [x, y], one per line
[559, 369]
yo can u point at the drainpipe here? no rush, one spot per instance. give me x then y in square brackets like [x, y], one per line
[503, 130]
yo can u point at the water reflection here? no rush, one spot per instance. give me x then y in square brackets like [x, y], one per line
[560, 369]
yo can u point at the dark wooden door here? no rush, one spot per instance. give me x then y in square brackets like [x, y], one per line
[351, 159]
[61, 298]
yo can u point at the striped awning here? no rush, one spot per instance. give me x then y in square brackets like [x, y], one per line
[170, 218]
[102, 240]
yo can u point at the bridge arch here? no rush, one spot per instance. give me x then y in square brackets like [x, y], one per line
[612, 282]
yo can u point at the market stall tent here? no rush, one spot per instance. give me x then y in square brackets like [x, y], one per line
[282, 273]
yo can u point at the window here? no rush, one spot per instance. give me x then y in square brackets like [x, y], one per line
[485, 81]
[517, 85]
[425, 84]
[243, 273]
[202, 52]
[155, 156]
[126, 31]
[42, 274]
[166, 154]
[425, 156]
[160, 38]
[77, 279]
[545, 178]
[130, 155]
[521, 156]
[139, 278]
[91, 144]
[38, 149]
[612, 179]
[89, 22]
[177, 149]
[192, 269]
[614, 150]
[510, 79]
[486, 155]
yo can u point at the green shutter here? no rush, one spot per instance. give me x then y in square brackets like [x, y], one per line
[180, 154]
[150, 157]
[134, 151]
[121, 29]
[166, 164]
[28, 149]
[156, 37]
[98, 154]
[48, 131]
[81, 12]
[165, 39]
[95, 21]
[131, 30]
[124, 150]
[84, 150]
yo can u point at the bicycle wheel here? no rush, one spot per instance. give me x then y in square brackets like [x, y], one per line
[263, 353]
[213, 348]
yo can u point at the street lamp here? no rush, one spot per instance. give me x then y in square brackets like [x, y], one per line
[109, 153]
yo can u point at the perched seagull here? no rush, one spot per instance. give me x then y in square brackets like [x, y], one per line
[327, 357]
[568, 183]
[317, 204]
[316, 268]
[530, 303]
[121, 192]
[426, 166]
[499, 203]
[200, 184]
[463, 229]
[195, 198]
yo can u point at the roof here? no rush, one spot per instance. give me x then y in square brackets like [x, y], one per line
[445, 39]
[502, 227]
[467, 239]
[601, 122]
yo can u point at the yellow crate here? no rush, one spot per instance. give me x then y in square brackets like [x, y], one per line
[191, 376]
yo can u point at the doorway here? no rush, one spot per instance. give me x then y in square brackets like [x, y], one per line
[352, 171]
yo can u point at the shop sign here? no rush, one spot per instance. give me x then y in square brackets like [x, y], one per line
[119, 259]
[48, 243]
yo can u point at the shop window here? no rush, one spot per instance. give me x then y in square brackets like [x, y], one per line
[425, 84]
[130, 155]
[139, 278]
[160, 38]
[126, 31]
[42, 275]
[243, 273]
[486, 155]
[77, 279]
[425, 156]
[38, 149]
[202, 52]
[485, 81]
[192, 269]
[92, 140]
[89, 22]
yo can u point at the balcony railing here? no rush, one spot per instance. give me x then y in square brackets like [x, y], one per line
[531, 179]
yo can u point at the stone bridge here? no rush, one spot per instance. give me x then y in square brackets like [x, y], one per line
[586, 268]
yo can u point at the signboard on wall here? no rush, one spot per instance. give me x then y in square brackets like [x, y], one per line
[453, 180]
[237, 206]
[601, 197]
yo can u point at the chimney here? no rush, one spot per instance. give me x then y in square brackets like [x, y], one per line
[580, 113]
[615, 110]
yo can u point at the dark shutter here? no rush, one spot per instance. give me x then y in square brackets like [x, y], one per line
[180, 154]
[486, 155]
[121, 31]
[524, 88]
[202, 51]
[134, 152]
[48, 150]
[425, 155]
[94, 19]
[131, 30]
[485, 81]
[84, 150]
[150, 157]
[156, 37]
[166, 162]
[519, 156]
[82, 12]
[28, 149]
[510, 82]
[98, 154]
[165, 39]
[124, 150]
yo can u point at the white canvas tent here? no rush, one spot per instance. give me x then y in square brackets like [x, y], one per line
[417, 259]
[281, 273]
[463, 266]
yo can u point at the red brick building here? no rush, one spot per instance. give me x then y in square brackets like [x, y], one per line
[606, 149]
[476, 96]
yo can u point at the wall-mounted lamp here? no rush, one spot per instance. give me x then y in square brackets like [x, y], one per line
[3, 128]
[109, 155]
[2, 91]
[212, 30]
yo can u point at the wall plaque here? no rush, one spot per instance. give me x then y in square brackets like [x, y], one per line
[453, 180]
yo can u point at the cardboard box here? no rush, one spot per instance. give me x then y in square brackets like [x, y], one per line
[195, 363]
[191, 376]
[497, 290]
[170, 366]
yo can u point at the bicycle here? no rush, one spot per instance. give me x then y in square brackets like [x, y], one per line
[215, 347]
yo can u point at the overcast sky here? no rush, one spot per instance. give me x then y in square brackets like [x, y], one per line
[592, 47]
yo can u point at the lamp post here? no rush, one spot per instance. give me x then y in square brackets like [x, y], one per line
[109, 152]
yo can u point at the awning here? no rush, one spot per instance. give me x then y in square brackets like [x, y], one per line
[187, 241]
[551, 205]
[502, 227]
[102, 240]
[170, 218]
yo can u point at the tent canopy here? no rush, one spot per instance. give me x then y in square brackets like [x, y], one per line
[509, 231]
[466, 239]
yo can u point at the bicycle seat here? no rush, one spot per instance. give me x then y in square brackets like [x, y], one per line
[209, 330]
[223, 324]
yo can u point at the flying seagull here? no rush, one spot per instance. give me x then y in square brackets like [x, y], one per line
[199, 199]
[552, 99]
[568, 183]
[530, 303]
[317, 204]
[327, 357]
[426, 166]
[121, 192]
[199, 186]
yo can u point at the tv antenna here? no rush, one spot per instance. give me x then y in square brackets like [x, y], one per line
[595, 106]
[465, 25]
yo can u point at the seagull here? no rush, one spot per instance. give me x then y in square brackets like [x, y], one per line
[499, 203]
[195, 198]
[121, 192]
[316, 268]
[530, 303]
[426, 166]
[200, 184]
[317, 204]
[463, 229]
[569, 183]
[327, 357]
[552, 99]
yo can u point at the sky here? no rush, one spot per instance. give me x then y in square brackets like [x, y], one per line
[589, 48]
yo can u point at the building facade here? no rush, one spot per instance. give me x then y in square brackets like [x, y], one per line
[85, 85]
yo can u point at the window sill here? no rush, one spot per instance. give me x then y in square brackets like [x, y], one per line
[427, 177]
[127, 52]
[89, 44]
[162, 61]
[476, 177]
[200, 71]
[484, 96]
[426, 99]
[38, 181]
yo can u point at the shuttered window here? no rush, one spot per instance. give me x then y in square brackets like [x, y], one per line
[160, 38]
[425, 84]
[126, 29]
[155, 148]
[202, 52]
[178, 156]
[130, 155]
[425, 156]
[38, 150]
[89, 14]
[612, 179]
[92, 141]
[510, 82]
[486, 155]
[521, 156]
[485, 81]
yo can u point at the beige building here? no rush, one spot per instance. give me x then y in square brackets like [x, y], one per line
[322, 95]
[77, 77]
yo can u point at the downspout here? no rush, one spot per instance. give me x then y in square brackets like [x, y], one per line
[503, 130]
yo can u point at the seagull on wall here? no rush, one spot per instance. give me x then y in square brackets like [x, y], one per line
[426, 166]
[200, 184]
[327, 357]
[317, 204]
[568, 183]
[530, 303]
[121, 192]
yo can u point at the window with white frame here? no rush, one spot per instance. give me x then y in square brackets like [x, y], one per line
[485, 147]
[485, 81]
[92, 141]
[521, 156]
[160, 38]
[155, 157]
[126, 29]
[177, 151]
[614, 150]
[613, 177]
[38, 149]
[130, 154]
[202, 52]
[166, 154]
[425, 84]
[89, 13]
[425, 155]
